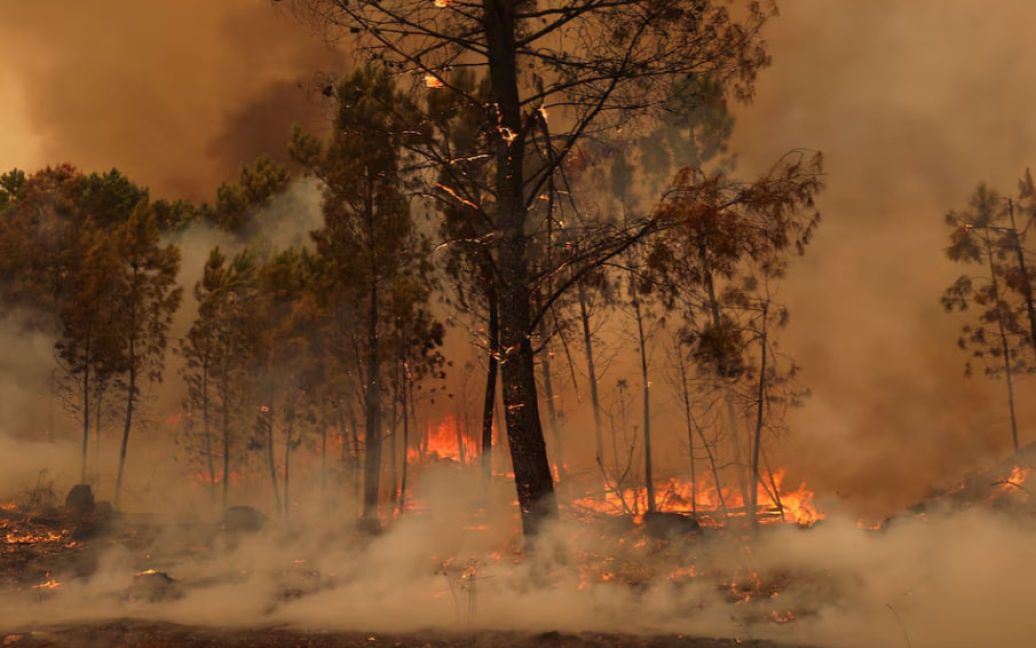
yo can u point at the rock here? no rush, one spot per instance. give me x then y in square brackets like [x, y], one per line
[103, 510]
[666, 525]
[153, 586]
[243, 518]
[80, 500]
[369, 526]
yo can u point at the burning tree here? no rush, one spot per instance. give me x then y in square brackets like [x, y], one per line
[716, 266]
[598, 67]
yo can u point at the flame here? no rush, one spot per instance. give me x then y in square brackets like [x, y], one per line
[442, 4]
[1014, 484]
[445, 442]
[432, 81]
[28, 537]
[49, 584]
[681, 496]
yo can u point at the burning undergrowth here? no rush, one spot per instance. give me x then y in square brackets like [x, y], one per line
[456, 563]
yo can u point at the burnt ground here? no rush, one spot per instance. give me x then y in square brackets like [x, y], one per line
[137, 634]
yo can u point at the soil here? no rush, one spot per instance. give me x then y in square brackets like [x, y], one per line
[138, 634]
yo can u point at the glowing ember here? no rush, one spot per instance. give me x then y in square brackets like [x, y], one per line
[28, 537]
[786, 616]
[49, 584]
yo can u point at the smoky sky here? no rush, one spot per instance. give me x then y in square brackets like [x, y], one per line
[178, 94]
[912, 103]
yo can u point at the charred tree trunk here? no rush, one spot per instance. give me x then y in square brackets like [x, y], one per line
[715, 472]
[492, 369]
[224, 388]
[86, 406]
[533, 480]
[759, 404]
[591, 370]
[101, 388]
[131, 398]
[372, 393]
[401, 505]
[649, 481]
[1030, 308]
[394, 448]
[206, 430]
[685, 397]
[323, 457]
[725, 371]
[552, 410]
[267, 419]
[354, 433]
[289, 441]
[1003, 343]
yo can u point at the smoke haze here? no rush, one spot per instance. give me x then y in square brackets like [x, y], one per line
[912, 103]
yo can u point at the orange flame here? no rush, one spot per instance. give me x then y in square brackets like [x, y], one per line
[681, 496]
[446, 441]
[1015, 482]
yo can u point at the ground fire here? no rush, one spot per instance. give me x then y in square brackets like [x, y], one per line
[428, 323]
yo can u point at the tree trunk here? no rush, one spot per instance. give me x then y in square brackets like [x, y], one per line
[394, 428]
[492, 369]
[101, 388]
[685, 397]
[715, 473]
[205, 428]
[354, 433]
[271, 460]
[724, 368]
[372, 393]
[288, 442]
[757, 441]
[1003, 343]
[591, 370]
[86, 408]
[1026, 283]
[225, 406]
[552, 410]
[533, 481]
[649, 481]
[323, 457]
[131, 397]
[401, 505]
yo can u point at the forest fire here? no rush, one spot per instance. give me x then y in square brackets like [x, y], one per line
[710, 506]
[251, 381]
[1015, 481]
[444, 441]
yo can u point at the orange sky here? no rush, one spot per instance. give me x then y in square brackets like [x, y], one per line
[912, 104]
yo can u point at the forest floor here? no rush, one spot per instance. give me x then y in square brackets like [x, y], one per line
[45, 550]
[139, 634]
